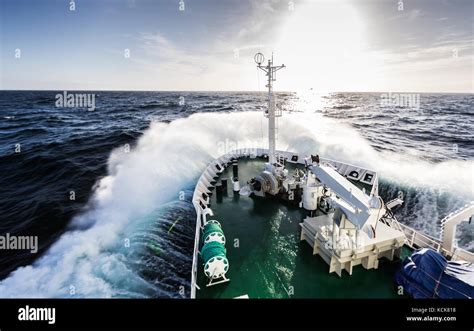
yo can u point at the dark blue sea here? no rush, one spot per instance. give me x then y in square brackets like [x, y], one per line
[103, 190]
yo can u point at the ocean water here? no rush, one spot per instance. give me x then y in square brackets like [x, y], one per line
[108, 191]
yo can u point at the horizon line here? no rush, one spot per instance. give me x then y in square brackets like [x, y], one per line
[227, 91]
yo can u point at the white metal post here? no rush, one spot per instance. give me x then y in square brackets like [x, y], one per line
[270, 70]
[271, 116]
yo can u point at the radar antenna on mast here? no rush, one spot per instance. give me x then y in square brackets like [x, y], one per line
[272, 112]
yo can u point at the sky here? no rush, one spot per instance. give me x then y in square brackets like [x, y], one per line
[209, 45]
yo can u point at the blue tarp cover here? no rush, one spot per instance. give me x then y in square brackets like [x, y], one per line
[427, 274]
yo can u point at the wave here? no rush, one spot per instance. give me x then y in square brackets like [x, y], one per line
[342, 107]
[136, 194]
[167, 105]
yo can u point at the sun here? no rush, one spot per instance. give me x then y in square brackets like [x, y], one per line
[323, 44]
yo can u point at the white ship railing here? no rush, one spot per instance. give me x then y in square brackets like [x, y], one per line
[202, 186]
[414, 238]
[211, 171]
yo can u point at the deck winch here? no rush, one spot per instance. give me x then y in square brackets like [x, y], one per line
[213, 253]
[215, 260]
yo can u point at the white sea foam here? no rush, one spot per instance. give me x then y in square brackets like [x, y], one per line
[168, 158]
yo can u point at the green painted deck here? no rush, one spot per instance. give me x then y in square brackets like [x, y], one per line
[267, 258]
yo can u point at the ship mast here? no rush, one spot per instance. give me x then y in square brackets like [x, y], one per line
[272, 112]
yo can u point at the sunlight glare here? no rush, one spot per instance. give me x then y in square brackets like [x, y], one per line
[323, 43]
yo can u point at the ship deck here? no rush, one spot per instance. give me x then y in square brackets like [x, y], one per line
[267, 258]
